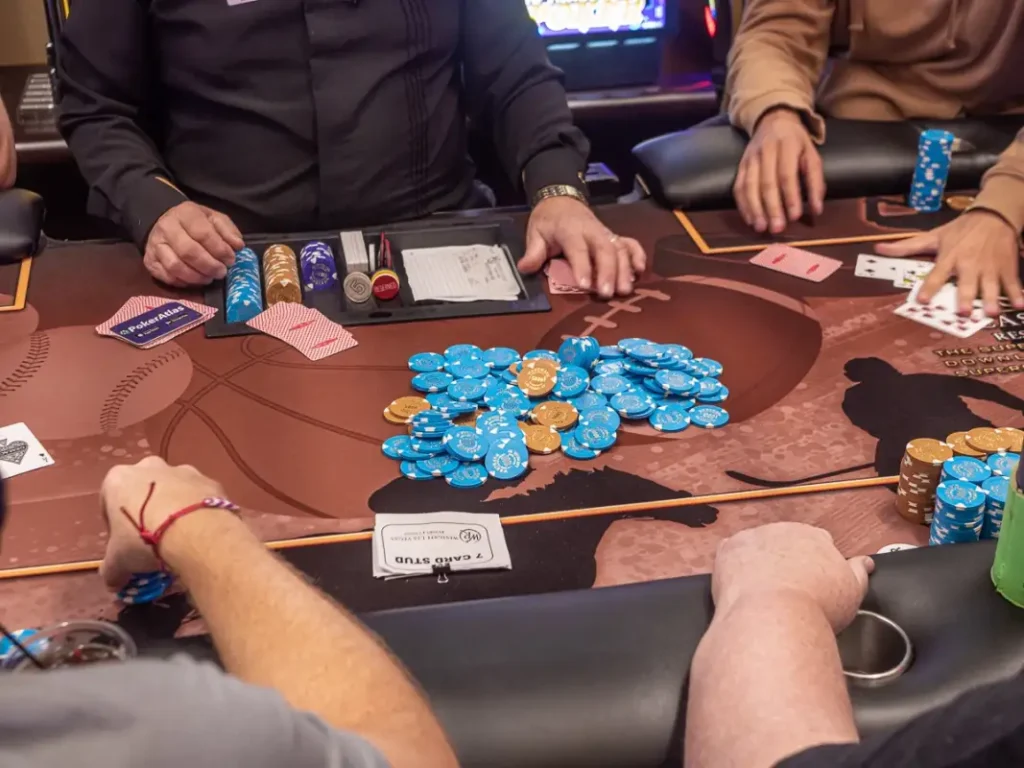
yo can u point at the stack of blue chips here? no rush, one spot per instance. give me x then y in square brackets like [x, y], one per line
[996, 489]
[934, 156]
[959, 513]
[318, 268]
[1003, 464]
[145, 587]
[244, 295]
[635, 379]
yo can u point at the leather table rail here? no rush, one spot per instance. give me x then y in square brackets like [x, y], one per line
[21, 224]
[696, 168]
[598, 677]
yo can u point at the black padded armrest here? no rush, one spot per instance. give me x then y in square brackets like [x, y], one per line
[21, 224]
[696, 168]
[597, 678]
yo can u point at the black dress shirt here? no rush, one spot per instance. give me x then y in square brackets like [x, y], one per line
[292, 115]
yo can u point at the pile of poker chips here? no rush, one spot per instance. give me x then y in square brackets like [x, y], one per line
[145, 587]
[281, 275]
[959, 486]
[319, 270]
[934, 156]
[244, 298]
[482, 412]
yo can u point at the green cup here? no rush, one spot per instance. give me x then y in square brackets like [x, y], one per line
[1008, 566]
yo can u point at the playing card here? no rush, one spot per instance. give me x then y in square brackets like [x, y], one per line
[877, 267]
[561, 279]
[21, 451]
[305, 329]
[147, 321]
[795, 262]
[913, 272]
[941, 315]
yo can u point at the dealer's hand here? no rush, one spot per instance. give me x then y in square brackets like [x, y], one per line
[191, 245]
[125, 487]
[767, 187]
[599, 258]
[980, 248]
[8, 158]
[791, 559]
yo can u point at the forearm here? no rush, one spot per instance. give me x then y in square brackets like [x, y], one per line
[777, 59]
[8, 157]
[271, 628]
[766, 682]
[1002, 187]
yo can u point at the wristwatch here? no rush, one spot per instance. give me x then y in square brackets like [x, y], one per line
[559, 190]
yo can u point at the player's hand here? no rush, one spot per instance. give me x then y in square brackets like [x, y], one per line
[767, 187]
[790, 559]
[191, 245]
[600, 259]
[8, 158]
[125, 487]
[980, 248]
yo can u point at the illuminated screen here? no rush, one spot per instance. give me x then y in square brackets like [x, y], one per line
[580, 17]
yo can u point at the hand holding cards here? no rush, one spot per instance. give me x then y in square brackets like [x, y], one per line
[147, 321]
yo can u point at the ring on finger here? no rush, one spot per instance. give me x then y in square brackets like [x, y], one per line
[613, 238]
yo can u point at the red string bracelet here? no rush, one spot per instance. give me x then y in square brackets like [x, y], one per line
[152, 538]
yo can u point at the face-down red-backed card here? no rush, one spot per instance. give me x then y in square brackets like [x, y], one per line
[305, 329]
[795, 262]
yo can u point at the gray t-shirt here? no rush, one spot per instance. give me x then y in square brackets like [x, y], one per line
[161, 714]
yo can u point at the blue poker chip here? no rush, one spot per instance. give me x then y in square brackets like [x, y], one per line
[594, 436]
[507, 459]
[1003, 464]
[678, 351]
[431, 418]
[509, 377]
[411, 470]
[626, 344]
[572, 381]
[610, 384]
[438, 399]
[959, 496]
[467, 476]
[465, 390]
[708, 416]
[393, 446]
[435, 381]
[675, 382]
[582, 351]
[601, 417]
[713, 367]
[636, 368]
[670, 417]
[572, 448]
[462, 351]
[707, 388]
[719, 397]
[493, 422]
[632, 405]
[966, 468]
[406, 452]
[611, 353]
[426, 362]
[438, 465]
[645, 352]
[467, 368]
[431, 446]
[544, 354]
[493, 384]
[466, 444]
[510, 401]
[996, 488]
[455, 408]
[588, 400]
[610, 368]
[499, 358]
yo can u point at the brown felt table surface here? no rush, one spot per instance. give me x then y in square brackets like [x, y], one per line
[824, 379]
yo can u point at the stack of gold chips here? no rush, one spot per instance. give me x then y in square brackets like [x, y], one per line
[281, 275]
[919, 477]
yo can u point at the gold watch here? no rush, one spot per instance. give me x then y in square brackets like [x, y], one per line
[559, 190]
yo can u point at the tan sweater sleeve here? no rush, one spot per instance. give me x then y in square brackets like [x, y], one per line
[1002, 187]
[777, 59]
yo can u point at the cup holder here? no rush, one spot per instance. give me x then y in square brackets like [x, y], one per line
[875, 651]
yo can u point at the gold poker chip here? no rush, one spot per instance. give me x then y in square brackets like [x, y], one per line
[1016, 436]
[407, 407]
[536, 382]
[556, 415]
[928, 451]
[541, 439]
[958, 442]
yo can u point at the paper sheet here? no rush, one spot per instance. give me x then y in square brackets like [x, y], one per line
[460, 273]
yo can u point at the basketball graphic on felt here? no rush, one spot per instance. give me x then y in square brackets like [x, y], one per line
[70, 382]
[766, 341]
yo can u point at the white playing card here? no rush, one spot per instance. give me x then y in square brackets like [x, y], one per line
[913, 273]
[941, 314]
[877, 267]
[21, 451]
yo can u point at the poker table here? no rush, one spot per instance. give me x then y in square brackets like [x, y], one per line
[827, 386]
